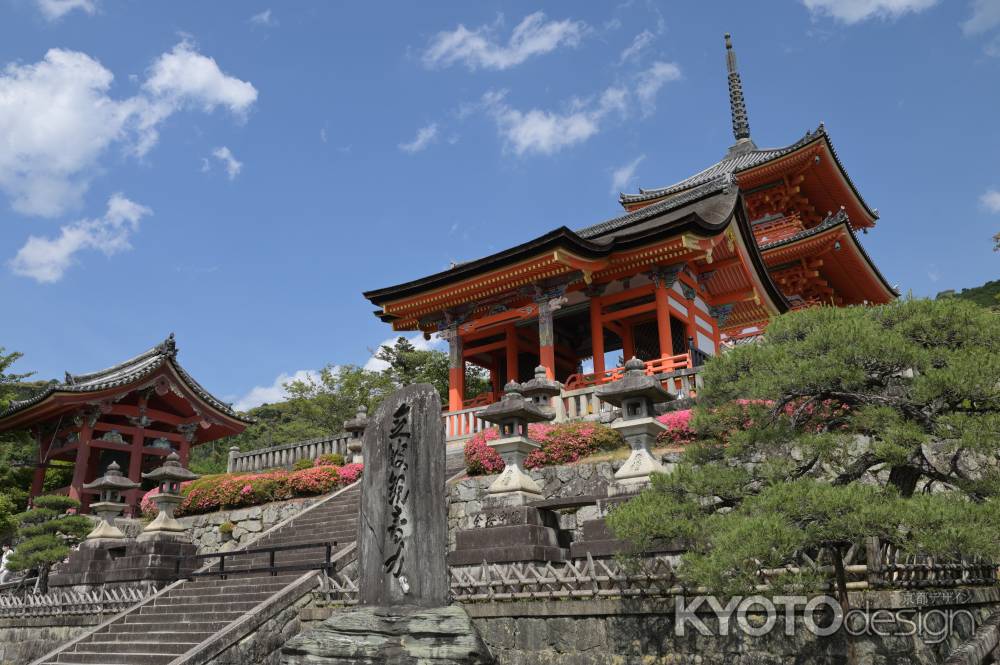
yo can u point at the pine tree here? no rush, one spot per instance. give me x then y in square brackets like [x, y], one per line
[844, 423]
[45, 535]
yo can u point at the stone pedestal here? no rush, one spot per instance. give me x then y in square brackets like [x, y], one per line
[164, 524]
[390, 636]
[516, 533]
[513, 487]
[633, 476]
[115, 561]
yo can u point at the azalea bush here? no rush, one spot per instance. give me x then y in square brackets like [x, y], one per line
[330, 459]
[563, 443]
[221, 491]
[679, 431]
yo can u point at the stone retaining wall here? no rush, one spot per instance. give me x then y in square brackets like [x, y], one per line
[465, 498]
[24, 640]
[263, 646]
[248, 523]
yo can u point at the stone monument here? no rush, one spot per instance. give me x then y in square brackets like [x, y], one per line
[403, 615]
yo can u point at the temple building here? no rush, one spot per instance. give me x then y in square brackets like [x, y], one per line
[687, 270]
[135, 413]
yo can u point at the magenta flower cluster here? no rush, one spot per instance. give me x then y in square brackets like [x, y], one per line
[560, 444]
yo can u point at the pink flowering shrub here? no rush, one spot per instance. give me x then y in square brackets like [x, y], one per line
[678, 432]
[349, 473]
[217, 492]
[330, 459]
[314, 480]
[560, 444]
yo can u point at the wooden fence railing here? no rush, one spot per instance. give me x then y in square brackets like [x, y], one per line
[656, 576]
[104, 600]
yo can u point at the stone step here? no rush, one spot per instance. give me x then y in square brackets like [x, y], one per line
[233, 605]
[213, 596]
[129, 646]
[93, 658]
[177, 618]
[161, 636]
[187, 628]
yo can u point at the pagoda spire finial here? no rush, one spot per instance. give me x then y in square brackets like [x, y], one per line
[737, 105]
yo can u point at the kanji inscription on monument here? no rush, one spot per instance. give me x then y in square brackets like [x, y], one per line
[403, 533]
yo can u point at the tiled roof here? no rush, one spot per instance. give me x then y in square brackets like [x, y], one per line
[721, 182]
[123, 374]
[839, 217]
[734, 162]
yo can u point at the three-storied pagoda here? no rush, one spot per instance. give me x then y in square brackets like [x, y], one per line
[688, 269]
[134, 414]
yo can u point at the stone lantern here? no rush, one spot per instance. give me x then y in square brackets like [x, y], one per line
[541, 389]
[512, 414]
[356, 427]
[636, 393]
[110, 487]
[169, 476]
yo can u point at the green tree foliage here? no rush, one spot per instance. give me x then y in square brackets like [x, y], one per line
[835, 428]
[987, 295]
[45, 535]
[318, 407]
[17, 449]
[409, 365]
[8, 522]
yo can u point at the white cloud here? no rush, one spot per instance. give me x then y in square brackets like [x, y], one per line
[47, 259]
[479, 48]
[322, 134]
[854, 11]
[56, 9]
[185, 77]
[621, 177]
[985, 16]
[650, 81]
[275, 392]
[638, 45]
[418, 342]
[264, 19]
[57, 119]
[547, 132]
[991, 200]
[425, 136]
[225, 155]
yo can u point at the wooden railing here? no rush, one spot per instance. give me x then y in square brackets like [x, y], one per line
[653, 367]
[286, 455]
[105, 600]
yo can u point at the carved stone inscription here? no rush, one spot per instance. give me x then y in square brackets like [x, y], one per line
[402, 531]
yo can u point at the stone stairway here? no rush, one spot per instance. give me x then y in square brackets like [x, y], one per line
[191, 621]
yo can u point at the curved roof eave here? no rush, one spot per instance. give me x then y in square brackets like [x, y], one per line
[745, 162]
[582, 242]
[838, 219]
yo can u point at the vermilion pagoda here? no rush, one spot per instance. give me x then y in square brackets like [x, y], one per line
[135, 413]
[687, 270]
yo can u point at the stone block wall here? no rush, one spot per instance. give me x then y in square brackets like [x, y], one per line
[248, 523]
[24, 640]
[465, 498]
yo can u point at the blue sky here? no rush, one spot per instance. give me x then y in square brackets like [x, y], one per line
[239, 172]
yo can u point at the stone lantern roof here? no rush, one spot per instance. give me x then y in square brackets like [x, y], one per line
[514, 408]
[634, 384]
[541, 385]
[359, 422]
[171, 470]
[111, 480]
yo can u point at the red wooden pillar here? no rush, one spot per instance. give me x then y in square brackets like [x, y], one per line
[628, 341]
[597, 334]
[38, 477]
[456, 370]
[663, 320]
[546, 340]
[81, 466]
[132, 497]
[512, 353]
[184, 452]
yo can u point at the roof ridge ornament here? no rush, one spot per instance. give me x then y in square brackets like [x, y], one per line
[737, 105]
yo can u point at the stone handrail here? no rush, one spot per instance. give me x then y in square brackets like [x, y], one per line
[285, 455]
